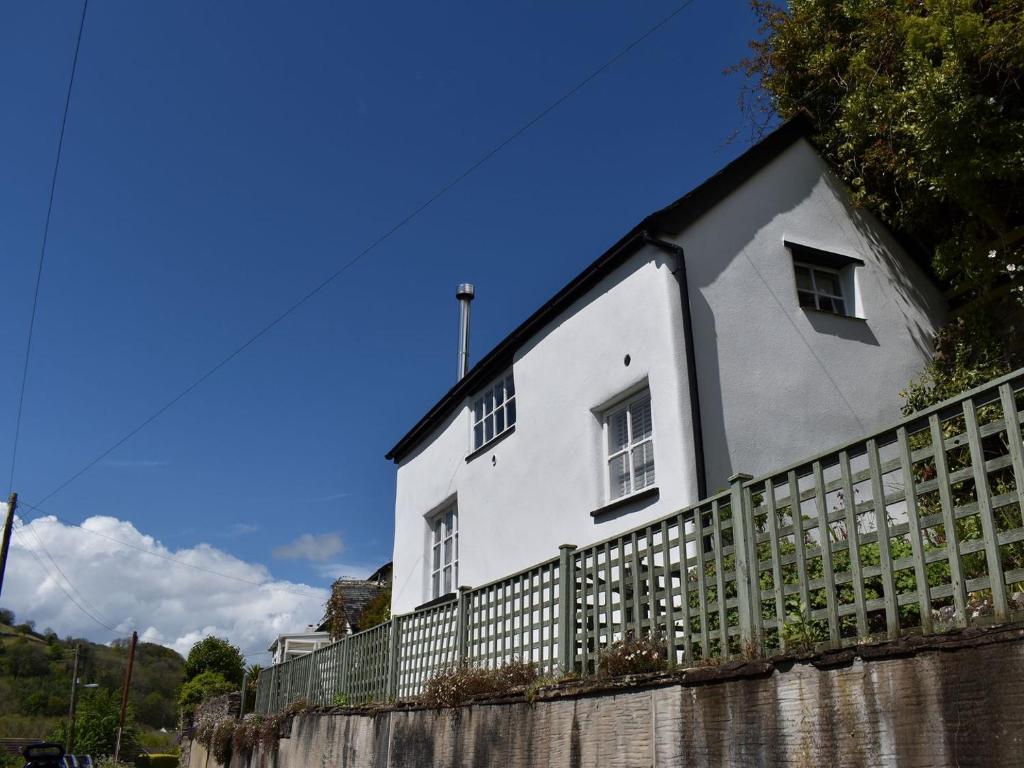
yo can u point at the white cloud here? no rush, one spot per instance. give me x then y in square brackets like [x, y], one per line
[167, 602]
[308, 546]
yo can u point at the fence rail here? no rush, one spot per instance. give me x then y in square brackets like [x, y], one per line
[916, 528]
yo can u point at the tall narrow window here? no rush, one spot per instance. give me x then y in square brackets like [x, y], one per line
[629, 439]
[494, 411]
[444, 552]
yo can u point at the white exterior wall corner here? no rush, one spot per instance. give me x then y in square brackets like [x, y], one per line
[536, 489]
[778, 383]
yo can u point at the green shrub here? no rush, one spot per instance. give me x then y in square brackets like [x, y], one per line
[162, 761]
[247, 734]
[633, 656]
[202, 687]
[223, 734]
[143, 761]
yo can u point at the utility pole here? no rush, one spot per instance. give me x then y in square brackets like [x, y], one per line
[124, 695]
[12, 504]
[71, 709]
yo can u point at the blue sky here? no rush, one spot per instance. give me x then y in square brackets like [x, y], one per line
[223, 158]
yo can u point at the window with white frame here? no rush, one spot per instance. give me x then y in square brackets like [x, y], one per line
[820, 288]
[444, 552]
[825, 281]
[629, 443]
[494, 411]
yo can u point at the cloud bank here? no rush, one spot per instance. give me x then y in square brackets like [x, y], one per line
[167, 602]
[316, 548]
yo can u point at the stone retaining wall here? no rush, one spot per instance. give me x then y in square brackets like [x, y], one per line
[948, 701]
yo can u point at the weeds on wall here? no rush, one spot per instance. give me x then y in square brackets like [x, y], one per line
[633, 656]
[458, 684]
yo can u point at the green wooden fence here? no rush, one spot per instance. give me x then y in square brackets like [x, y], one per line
[916, 528]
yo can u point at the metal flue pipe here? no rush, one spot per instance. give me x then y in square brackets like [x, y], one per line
[464, 293]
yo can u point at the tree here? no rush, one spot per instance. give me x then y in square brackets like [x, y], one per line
[201, 687]
[7, 617]
[920, 108]
[96, 726]
[212, 654]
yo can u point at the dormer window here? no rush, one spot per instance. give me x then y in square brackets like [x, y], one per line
[825, 281]
[494, 411]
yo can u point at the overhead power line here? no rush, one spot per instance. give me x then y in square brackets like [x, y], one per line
[372, 246]
[70, 596]
[42, 248]
[169, 558]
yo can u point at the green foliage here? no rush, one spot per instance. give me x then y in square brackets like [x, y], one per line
[221, 747]
[920, 106]
[457, 684]
[96, 726]
[633, 656]
[799, 633]
[247, 734]
[377, 611]
[212, 654]
[7, 617]
[200, 688]
[340, 700]
[35, 676]
[161, 761]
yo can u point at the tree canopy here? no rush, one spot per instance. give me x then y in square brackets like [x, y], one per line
[212, 654]
[920, 107]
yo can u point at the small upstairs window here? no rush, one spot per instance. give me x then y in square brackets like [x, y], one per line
[629, 442]
[824, 280]
[494, 411]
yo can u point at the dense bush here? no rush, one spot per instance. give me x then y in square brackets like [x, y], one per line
[200, 688]
[212, 654]
[156, 761]
[633, 656]
[223, 733]
[247, 734]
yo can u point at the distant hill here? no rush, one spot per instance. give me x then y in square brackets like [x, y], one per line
[35, 680]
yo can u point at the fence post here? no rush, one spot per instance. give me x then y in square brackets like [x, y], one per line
[745, 553]
[394, 657]
[567, 607]
[462, 624]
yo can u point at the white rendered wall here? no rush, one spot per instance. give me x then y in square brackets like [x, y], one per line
[536, 488]
[779, 383]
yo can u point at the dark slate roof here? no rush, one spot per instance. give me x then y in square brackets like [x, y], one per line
[673, 218]
[356, 594]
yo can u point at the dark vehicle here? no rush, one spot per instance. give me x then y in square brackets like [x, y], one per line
[49, 755]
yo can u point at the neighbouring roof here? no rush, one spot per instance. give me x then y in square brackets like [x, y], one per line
[673, 218]
[356, 594]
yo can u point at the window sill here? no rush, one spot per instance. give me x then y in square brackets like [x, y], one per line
[451, 596]
[644, 495]
[490, 443]
[825, 313]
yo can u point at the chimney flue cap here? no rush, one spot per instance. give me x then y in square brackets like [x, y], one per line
[465, 291]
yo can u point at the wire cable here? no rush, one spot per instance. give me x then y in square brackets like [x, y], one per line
[372, 246]
[169, 558]
[70, 597]
[42, 249]
[25, 529]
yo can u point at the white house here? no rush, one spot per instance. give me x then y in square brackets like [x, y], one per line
[755, 321]
[291, 646]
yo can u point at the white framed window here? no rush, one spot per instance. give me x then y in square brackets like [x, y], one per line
[494, 411]
[629, 446]
[444, 551]
[820, 288]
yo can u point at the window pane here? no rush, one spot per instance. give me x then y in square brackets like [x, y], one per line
[447, 551]
[499, 421]
[447, 580]
[840, 306]
[806, 299]
[803, 279]
[510, 386]
[435, 587]
[436, 525]
[499, 393]
[618, 431]
[437, 556]
[827, 283]
[640, 411]
[489, 428]
[478, 435]
[510, 412]
[618, 480]
[643, 465]
[826, 304]
[449, 523]
[478, 409]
